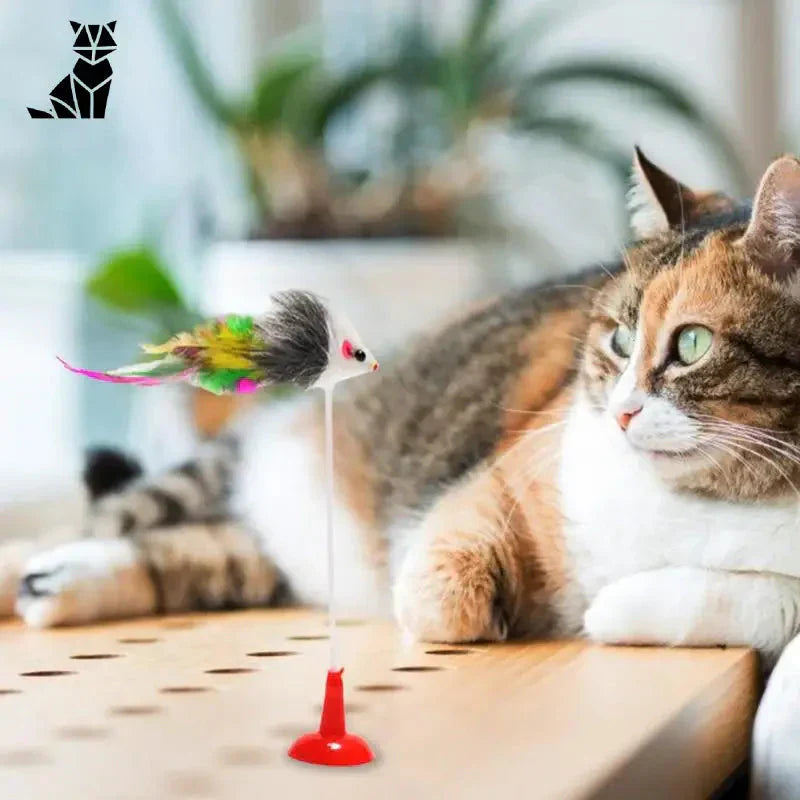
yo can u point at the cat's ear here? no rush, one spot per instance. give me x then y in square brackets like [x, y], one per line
[657, 201]
[76, 26]
[112, 25]
[773, 236]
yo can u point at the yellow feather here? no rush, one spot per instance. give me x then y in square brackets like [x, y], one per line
[220, 348]
[179, 340]
[225, 359]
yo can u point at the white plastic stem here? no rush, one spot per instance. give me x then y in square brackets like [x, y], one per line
[334, 654]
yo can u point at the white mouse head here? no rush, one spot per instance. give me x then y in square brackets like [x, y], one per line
[348, 356]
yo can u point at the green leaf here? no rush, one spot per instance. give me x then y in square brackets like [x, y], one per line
[484, 12]
[276, 83]
[658, 89]
[135, 281]
[194, 63]
[337, 93]
[583, 137]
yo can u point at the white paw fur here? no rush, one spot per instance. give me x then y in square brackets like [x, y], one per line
[84, 581]
[776, 756]
[640, 609]
[15, 553]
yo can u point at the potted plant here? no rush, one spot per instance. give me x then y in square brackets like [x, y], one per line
[370, 233]
[395, 237]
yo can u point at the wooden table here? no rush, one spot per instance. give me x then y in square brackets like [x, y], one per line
[204, 706]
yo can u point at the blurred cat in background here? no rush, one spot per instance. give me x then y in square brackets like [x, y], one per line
[567, 459]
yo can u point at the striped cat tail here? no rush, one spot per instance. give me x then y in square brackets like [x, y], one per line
[196, 491]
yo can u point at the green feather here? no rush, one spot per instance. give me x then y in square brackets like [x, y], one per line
[239, 325]
[221, 381]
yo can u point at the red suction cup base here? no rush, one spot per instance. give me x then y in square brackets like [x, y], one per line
[332, 745]
[341, 751]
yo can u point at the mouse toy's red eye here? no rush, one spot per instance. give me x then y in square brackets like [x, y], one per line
[347, 349]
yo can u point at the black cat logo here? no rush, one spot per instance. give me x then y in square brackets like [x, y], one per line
[84, 92]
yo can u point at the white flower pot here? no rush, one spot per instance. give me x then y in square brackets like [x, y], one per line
[390, 289]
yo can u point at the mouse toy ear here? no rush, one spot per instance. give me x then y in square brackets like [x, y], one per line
[76, 26]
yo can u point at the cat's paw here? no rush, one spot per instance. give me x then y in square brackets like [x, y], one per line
[634, 610]
[443, 595]
[776, 758]
[84, 581]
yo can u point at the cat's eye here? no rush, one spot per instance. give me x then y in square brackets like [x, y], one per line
[622, 341]
[693, 342]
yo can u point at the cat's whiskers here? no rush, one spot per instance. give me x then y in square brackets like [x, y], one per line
[713, 461]
[524, 439]
[736, 442]
[604, 269]
[546, 412]
[790, 452]
[528, 481]
[715, 442]
[767, 433]
[532, 466]
[576, 286]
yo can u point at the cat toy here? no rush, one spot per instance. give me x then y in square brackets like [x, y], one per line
[299, 342]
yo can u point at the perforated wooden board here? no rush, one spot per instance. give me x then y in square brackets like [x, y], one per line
[205, 706]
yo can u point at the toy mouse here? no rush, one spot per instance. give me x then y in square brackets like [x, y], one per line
[299, 342]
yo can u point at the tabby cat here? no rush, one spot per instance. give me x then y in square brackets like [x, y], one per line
[567, 459]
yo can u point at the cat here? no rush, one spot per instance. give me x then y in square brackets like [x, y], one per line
[84, 92]
[614, 456]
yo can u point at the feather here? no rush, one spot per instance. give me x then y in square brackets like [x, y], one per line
[167, 367]
[139, 380]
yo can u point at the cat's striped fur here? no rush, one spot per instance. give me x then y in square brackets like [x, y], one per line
[398, 445]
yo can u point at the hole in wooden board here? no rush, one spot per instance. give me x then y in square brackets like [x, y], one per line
[420, 668]
[272, 653]
[446, 652]
[10, 691]
[46, 673]
[309, 638]
[28, 757]
[380, 687]
[138, 640]
[190, 784]
[185, 689]
[229, 670]
[134, 711]
[291, 731]
[244, 756]
[94, 656]
[82, 732]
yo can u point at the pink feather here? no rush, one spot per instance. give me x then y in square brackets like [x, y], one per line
[138, 380]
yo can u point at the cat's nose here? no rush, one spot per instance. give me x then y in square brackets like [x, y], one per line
[624, 417]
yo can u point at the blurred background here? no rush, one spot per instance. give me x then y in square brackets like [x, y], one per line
[402, 157]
